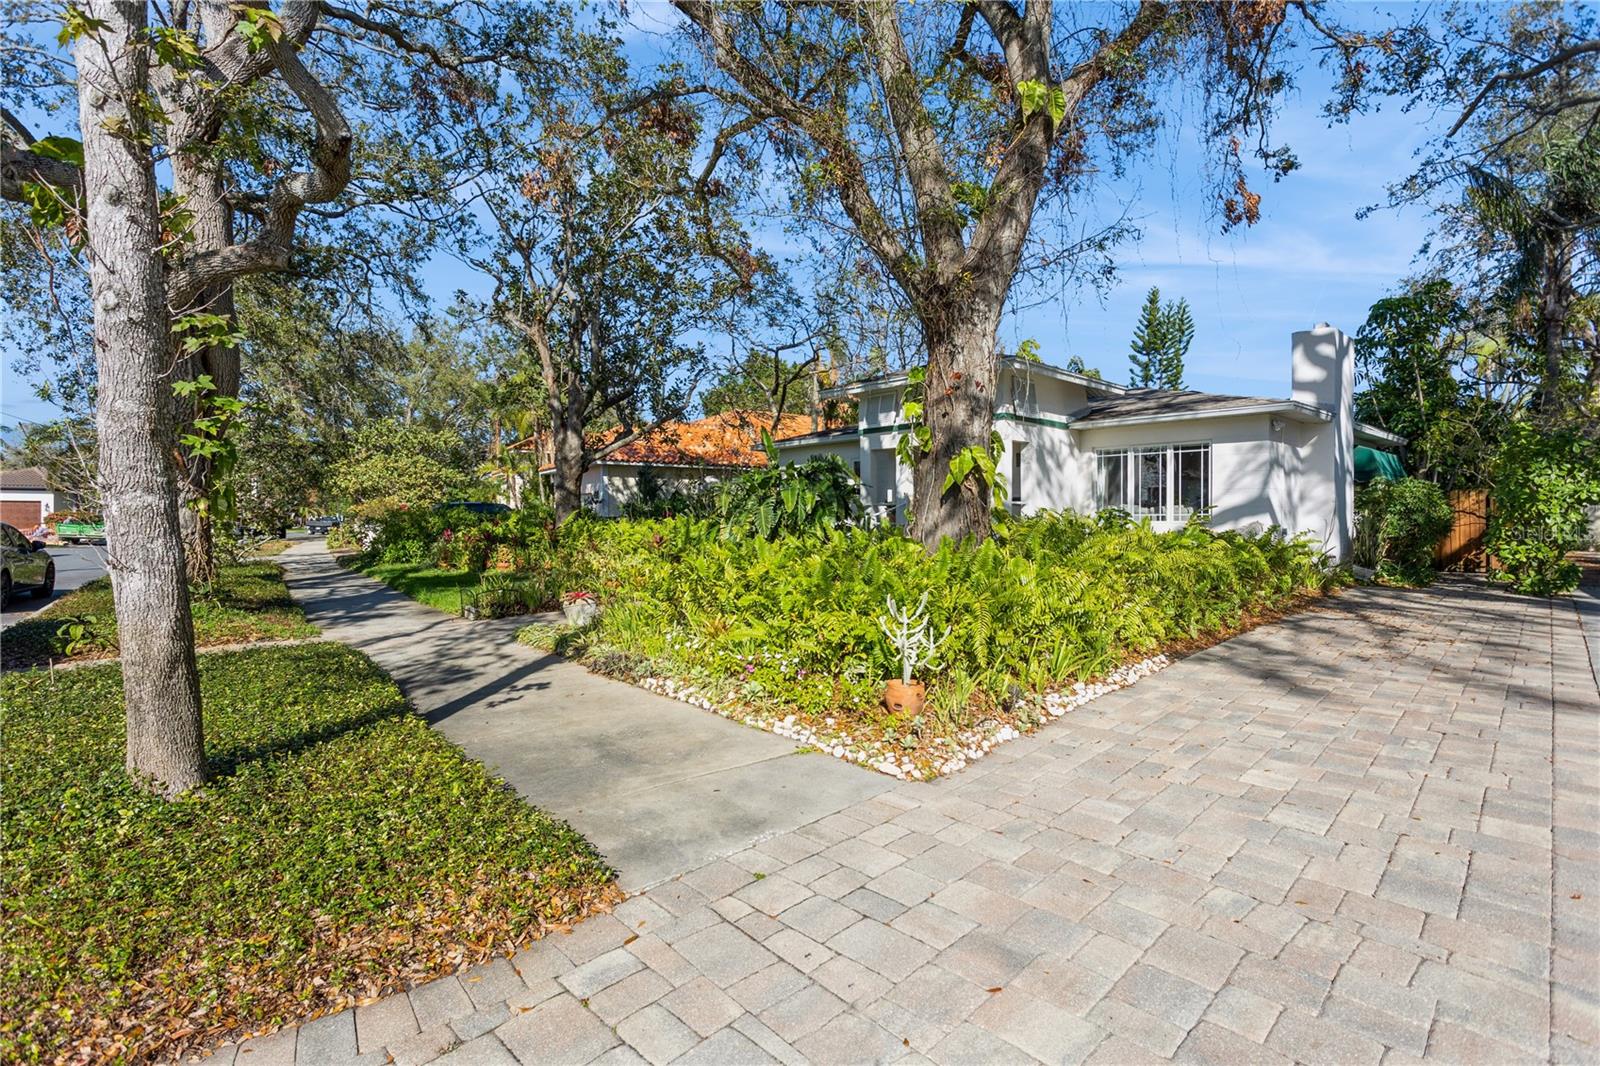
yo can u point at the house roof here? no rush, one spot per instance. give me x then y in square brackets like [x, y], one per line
[729, 439]
[821, 435]
[25, 479]
[1162, 405]
[1141, 406]
[1031, 366]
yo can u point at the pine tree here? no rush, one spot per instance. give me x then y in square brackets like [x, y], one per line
[1177, 335]
[1149, 342]
[1160, 341]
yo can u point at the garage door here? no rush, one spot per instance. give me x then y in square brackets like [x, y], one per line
[24, 514]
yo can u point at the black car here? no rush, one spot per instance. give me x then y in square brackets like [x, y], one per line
[26, 566]
[323, 525]
[475, 506]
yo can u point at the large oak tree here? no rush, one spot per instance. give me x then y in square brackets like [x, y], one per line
[935, 134]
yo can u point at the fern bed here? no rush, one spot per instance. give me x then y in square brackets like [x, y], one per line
[784, 634]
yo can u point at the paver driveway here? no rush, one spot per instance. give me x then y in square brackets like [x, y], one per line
[1364, 834]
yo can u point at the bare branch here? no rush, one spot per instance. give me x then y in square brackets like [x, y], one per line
[1559, 59]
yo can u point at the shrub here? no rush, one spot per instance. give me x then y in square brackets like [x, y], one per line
[657, 497]
[812, 498]
[1398, 525]
[1544, 483]
[792, 621]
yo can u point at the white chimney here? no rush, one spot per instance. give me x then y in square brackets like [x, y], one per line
[1324, 377]
[1324, 369]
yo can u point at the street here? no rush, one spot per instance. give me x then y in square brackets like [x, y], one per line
[75, 566]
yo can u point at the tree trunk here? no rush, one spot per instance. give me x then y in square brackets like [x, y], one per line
[200, 183]
[1555, 294]
[567, 480]
[959, 411]
[161, 690]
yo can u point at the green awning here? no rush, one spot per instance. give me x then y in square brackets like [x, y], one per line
[1372, 463]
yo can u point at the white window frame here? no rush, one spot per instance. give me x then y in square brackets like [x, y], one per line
[1170, 509]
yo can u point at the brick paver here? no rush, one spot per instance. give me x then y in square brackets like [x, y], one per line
[1369, 833]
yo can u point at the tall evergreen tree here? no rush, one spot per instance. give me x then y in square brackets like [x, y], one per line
[1149, 342]
[1178, 333]
[1160, 341]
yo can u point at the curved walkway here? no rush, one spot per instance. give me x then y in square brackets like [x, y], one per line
[1369, 833]
[660, 787]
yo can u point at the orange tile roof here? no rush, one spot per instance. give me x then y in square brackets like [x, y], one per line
[732, 438]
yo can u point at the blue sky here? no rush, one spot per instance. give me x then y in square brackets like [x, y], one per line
[1308, 260]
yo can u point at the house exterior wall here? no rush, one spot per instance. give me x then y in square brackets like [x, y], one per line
[24, 508]
[845, 448]
[1248, 483]
[609, 487]
[1283, 468]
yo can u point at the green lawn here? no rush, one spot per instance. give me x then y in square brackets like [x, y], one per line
[249, 602]
[445, 590]
[343, 849]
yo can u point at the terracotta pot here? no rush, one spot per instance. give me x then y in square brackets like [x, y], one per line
[902, 698]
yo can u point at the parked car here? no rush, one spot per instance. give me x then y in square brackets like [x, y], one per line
[26, 565]
[324, 525]
[475, 506]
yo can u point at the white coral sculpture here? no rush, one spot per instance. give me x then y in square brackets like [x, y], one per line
[908, 633]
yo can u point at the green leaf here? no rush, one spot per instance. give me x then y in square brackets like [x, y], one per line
[1037, 96]
[75, 23]
[66, 149]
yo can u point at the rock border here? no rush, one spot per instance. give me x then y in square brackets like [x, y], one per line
[876, 754]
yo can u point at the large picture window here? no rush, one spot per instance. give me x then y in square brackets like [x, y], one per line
[1163, 482]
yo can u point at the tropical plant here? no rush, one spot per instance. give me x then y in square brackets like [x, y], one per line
[1398, 525]
[910, 636]
[1544, 483]
[793, 621]
[807, 498]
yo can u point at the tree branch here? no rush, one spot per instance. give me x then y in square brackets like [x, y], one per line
[327, 178]
[926, 167]
[1507, 77]
[850, 179]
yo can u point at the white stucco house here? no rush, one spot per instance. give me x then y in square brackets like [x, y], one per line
[26, 497]
[1081, 444]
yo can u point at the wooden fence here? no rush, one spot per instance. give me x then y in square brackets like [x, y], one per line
[1462, 547]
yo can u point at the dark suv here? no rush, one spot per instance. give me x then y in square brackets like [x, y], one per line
[27, 565]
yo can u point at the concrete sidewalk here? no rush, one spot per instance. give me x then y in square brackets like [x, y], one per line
[660, 787]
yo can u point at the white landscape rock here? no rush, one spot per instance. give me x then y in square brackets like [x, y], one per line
[969, 745]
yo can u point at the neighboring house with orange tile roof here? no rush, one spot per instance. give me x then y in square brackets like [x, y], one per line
[681, 455]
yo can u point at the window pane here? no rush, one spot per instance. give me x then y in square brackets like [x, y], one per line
[1016, 473]
[1112, 490]
[1153, 483]
[1194, 488]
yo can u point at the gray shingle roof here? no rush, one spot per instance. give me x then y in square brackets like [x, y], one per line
[26, 479]
[1146, 402]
